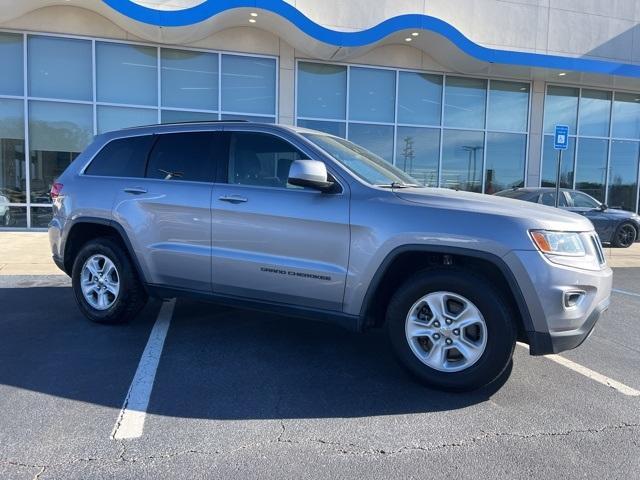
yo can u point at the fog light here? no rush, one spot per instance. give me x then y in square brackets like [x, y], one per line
[573, 298]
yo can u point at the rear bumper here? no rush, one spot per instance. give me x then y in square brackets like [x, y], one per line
[543, 343]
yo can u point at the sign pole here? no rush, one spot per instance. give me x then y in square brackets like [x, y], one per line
[560, 143]
[558, 178]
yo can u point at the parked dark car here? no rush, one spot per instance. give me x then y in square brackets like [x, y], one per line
[619, 228]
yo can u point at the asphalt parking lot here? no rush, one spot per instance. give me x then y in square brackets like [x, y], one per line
[248, 395]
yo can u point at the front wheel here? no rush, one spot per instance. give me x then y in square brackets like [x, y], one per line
[451, 329]
[105, 285]
[625, 236]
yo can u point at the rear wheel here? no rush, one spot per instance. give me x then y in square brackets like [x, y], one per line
[451, 329]
[105, 284]
[625, 235]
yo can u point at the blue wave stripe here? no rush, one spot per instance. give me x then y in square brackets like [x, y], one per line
[210, 8]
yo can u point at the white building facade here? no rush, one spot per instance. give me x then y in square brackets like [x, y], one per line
[460, 93]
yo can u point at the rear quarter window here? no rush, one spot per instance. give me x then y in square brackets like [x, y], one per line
[124, 157]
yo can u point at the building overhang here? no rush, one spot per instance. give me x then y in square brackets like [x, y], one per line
[440, 40]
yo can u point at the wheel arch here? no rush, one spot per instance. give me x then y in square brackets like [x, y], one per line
[417, 257]
[84, 229]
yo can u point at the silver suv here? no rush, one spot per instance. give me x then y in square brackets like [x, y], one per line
[289, 220]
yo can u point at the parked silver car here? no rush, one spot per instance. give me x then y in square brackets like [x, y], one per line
[295, 221]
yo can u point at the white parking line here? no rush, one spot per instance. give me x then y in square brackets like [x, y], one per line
[595, 376]
[130, 423]
[624, 292]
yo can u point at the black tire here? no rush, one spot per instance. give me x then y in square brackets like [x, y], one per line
[131, 297]
[501, 330]
[625, 236]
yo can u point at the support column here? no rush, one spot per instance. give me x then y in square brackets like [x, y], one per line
[535, 134]
[286, 86]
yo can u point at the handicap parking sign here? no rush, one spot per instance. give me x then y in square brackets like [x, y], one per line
[561, 137]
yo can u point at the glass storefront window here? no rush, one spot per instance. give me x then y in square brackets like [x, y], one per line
[189, 79]
[11, 53]
[372, 95]
[60, 68]
[419, 98]
[177, 116]
[12, 217]
[339, 129]
[626, 115]
[561, 108]
[41, 216]
[550, 164]
[12, 165]
[248, 84]
[462, 154]
[464, 102]
[595, 108]
[126, 74]
[417, 153]
[623, 174]
[508, 106]
[506, 154]
[591, 165]
[114, 118]
[375, 138]
[329, 86]
[58, 132]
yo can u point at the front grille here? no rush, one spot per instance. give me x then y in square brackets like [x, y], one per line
[598, 248]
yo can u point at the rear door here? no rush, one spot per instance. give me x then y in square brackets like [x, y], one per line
[273, 241]
[167, 214]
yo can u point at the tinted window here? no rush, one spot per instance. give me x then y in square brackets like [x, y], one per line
[125, 157]
[549, 198]
[261, 159]
[581, 200]
[184, 156]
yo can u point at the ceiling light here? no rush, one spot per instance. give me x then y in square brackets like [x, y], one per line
[408, 39]
[252, 20]
[562, 74]
[415, 34]
[254, 14]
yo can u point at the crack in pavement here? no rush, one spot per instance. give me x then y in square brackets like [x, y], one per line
[339, 447]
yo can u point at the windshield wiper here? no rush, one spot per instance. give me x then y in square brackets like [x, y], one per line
[398, 185]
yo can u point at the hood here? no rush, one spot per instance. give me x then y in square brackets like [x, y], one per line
[534, 215]
[622, 213]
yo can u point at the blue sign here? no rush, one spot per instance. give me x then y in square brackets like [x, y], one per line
[561, 137]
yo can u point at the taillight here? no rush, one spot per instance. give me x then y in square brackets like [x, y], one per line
[56, 190]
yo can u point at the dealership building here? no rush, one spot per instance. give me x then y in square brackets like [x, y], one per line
[461, 94]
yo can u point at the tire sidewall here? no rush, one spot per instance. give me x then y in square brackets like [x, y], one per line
[501, 332]
[117, 312]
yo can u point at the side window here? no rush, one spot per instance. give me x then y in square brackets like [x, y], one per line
[184, 156]
[261, 159]
[580, 200]
[549, 198]
[124, 157]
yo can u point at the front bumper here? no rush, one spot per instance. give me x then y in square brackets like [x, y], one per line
[554, 326]
[543, 343]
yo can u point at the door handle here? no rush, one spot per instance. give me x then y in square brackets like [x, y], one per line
[135, 190]
[232, 199]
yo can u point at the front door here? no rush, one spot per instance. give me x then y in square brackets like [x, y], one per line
[273, 241]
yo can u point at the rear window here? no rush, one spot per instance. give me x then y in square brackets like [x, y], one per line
[125, 157]
[184, 156]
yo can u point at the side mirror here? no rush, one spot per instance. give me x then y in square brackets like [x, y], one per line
[311, 174]
[603, 207]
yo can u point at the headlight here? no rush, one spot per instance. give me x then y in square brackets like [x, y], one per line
[558, 243]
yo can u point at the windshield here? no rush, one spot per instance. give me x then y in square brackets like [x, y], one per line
[362, 163]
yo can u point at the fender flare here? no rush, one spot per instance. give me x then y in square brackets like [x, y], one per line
[495, 260]
[121, 232]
